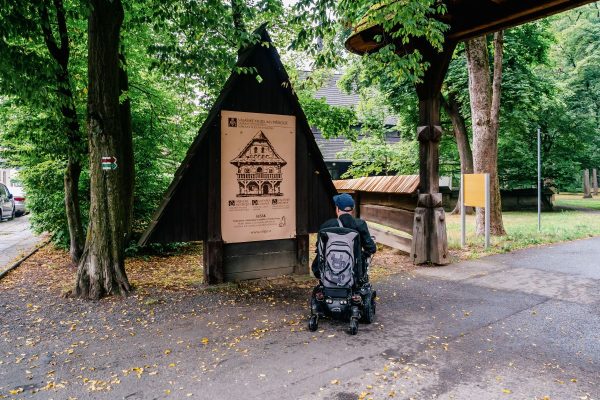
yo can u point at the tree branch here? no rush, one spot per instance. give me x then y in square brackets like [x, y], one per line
[60, 54]
[48, 37]
[62, 28]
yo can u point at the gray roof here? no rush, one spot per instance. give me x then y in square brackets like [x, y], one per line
[331, 147]
[334, 96]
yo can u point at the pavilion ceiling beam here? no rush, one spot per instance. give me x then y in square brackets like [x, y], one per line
[496, 15]
[469, 19]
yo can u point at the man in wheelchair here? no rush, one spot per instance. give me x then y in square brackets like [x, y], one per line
[344, 249]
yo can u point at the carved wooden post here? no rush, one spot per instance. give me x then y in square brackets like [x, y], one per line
[586, 184]
[430, 243]
[595, 182]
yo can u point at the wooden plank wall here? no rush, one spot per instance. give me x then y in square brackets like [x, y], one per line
[391, 210]
[259, 259]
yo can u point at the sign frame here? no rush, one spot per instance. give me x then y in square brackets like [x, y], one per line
[258, 177]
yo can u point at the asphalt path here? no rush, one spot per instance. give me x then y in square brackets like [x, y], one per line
[16, 238]
[522, 325]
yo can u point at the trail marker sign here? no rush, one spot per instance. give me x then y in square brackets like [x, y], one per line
[109, 163]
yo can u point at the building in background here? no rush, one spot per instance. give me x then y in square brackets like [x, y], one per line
[330, 148]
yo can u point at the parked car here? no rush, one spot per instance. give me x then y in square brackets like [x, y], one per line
[7, 204]
[18, 196]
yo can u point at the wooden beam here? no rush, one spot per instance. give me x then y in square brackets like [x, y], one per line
[471, 20]
[213, 245]
[468, 19]
[401, 220]
[391, 239]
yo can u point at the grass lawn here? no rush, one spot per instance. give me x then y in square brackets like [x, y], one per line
[577, 201]
[521, 228]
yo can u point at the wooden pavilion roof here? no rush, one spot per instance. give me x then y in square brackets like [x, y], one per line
[406, 184]
[471, 18]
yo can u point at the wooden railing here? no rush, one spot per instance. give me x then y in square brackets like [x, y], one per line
[259, 175]
[391, 214]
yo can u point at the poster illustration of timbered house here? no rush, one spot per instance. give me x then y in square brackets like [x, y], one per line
[259, 168]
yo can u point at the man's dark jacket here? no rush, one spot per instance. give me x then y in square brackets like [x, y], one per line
[368, 245]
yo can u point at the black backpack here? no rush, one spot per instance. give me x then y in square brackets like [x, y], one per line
[339, 255]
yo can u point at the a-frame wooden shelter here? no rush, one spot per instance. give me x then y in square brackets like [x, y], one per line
[191, 208]
[467, 19]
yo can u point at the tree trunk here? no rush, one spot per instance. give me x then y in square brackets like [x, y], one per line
[462, 141]
[76, 149]
[128, 167]
[485, 111]
[587, 194]
[102, 268]
[71, 183]
[238, 22]
[594, 182]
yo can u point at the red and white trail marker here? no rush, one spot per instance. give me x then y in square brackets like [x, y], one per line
[109, 163]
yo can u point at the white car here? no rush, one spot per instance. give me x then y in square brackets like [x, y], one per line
[7, 205]
[18, 197]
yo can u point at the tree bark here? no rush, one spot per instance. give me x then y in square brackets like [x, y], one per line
[587, 194]
[485, 113]
[459, 129]
[76, 148]
[101, 270]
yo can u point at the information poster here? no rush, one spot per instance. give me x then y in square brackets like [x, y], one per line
[258, 176]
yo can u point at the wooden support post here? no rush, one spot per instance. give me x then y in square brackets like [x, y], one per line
[595, 182]
[304, 172]
[586, 184]
[213, 261]
[301, 267]
[430, 243]
[213, 245]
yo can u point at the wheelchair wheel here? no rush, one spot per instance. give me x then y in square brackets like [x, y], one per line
[368, 314]
[313, 323]
[353, 328]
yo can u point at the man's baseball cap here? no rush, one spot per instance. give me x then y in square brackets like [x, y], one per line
[344, 202]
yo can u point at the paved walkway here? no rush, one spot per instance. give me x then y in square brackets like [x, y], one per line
[514, 326]
[16, 239]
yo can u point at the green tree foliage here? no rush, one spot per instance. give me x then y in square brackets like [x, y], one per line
[41, 80]
[325, 24]
[164, 119]
[370, 151]
[550, 80]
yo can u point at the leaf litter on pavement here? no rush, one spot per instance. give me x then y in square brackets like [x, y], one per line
[54, 343]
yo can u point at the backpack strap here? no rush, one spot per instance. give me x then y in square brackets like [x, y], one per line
[340, 223]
